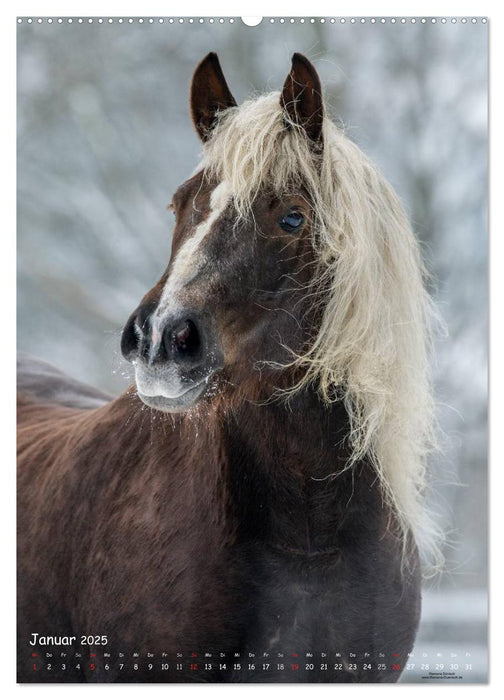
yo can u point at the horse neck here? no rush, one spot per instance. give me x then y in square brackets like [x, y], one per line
[288, 475]
[273, 474]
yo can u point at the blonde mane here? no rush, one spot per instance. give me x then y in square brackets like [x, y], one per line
[372, 347]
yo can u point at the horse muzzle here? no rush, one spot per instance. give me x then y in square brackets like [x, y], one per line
[174, 358]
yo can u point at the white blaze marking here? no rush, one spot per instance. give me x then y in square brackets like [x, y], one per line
[190, 259]
[167, 380]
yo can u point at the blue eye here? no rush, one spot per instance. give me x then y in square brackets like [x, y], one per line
[292, 221]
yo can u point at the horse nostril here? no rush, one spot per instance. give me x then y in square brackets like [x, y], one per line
[185, 339]
[130, 338]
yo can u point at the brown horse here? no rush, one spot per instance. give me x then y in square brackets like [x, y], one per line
[255, 497]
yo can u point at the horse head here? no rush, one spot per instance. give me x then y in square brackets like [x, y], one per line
[231, 308]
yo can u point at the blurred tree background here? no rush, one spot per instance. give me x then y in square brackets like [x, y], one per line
[105, 138]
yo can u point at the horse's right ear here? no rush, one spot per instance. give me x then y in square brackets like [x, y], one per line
[209, 95]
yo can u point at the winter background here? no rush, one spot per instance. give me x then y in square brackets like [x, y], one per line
[104, 139]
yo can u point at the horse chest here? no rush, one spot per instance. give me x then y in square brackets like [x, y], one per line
[309, 558]
[294, 605]
[301, 605]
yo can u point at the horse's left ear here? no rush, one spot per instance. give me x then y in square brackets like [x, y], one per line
[302, 97]
[209, 95]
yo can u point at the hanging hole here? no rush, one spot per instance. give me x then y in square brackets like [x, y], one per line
[251, 21]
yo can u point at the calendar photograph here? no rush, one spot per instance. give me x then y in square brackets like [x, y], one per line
[252, 319]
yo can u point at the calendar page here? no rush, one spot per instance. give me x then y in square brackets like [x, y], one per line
[252, 333]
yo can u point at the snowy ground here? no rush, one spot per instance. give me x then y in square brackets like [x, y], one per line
[452, 639]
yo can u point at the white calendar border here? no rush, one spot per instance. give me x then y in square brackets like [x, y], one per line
[293, 8]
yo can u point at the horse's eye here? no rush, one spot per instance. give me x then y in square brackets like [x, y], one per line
[292, 221]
